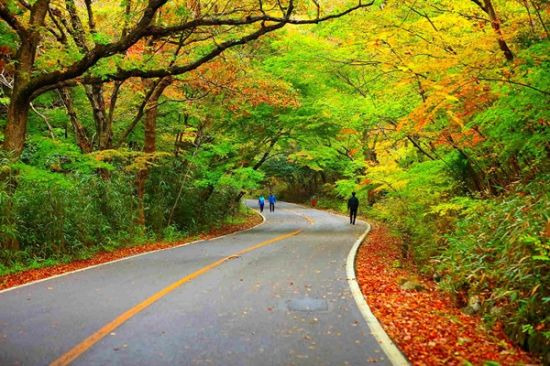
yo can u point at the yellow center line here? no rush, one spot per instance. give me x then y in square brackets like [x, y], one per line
[307, 218]
[87, 343]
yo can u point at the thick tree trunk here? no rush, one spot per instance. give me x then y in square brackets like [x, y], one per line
[16, 127]
[18, 110]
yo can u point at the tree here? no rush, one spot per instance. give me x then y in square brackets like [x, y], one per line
[488, 7]
[236, 25]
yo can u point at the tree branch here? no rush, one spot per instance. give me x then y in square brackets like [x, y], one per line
[545, 92]
[12, 21]
[181, 69]
[145, 28]
[478, 3]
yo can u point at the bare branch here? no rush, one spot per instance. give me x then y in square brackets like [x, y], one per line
[91, 22]
[50, 128]
[478, 3]
[518, 83]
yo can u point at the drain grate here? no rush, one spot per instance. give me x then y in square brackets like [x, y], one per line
[307, 304]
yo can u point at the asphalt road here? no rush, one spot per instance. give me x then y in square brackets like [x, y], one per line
[285, 301]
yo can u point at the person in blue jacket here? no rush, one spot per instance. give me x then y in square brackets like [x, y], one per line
[272, 201]
[261, 201]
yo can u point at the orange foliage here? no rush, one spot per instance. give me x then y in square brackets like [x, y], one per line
[426, 325]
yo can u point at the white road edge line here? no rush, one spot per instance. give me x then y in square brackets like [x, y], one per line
[392, 352]
[132, 256]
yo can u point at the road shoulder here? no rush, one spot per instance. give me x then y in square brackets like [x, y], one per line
[421, 319]
[393, 353]
[27, 277]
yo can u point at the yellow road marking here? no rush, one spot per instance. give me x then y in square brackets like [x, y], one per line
[87, 343]
[309, 219]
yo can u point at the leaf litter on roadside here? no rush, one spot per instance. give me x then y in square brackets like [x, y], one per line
[21, 278]
[425, 324]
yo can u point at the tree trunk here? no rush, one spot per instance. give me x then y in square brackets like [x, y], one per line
[103, 126]
[16, 127]
[149, 145]
[495, 23]
[18, 110]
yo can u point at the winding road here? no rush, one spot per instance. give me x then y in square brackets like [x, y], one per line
[273, 295]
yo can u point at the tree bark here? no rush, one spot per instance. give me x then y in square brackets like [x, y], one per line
[149, 145]
[16, 127]
[105, 130]
[18, 109]
[488, 8]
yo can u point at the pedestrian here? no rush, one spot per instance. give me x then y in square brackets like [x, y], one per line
[272, 201]
[261, 201]
[313, 201]
[353, 205]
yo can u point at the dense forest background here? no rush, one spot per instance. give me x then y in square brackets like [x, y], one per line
[144, 120]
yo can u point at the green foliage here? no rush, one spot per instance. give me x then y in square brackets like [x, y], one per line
[499, 251]
[8, 38]
[62, 208]
[441, 140]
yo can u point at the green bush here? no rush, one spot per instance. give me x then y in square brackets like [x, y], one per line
[499, 253]
[57, 204]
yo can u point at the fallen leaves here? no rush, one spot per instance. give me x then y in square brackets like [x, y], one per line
[21, 278]
[425, 325]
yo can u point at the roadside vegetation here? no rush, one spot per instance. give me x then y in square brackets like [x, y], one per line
[122, 125]
[440, 123]
[422, 320]
[148, 120]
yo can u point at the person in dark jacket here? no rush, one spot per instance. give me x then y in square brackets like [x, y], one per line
[353, 205]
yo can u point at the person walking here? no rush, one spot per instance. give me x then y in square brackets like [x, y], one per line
[272, 201]
[353, 205]
[261, 202]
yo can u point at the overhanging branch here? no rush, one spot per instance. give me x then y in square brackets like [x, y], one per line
[12, 21]
[145, 28]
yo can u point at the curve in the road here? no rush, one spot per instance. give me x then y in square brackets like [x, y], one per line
[394, 354]
[284, 304]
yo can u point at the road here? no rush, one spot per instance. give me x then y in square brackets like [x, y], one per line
[273, 295]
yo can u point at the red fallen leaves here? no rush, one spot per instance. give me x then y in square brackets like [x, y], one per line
[21, 278]
[426, 325]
